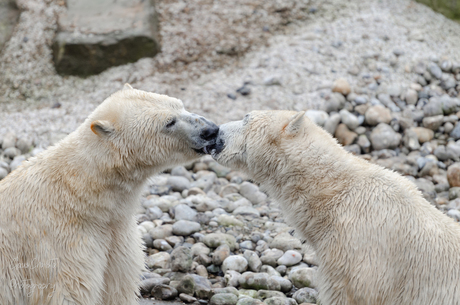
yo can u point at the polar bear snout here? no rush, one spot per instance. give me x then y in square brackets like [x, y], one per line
[202, 133]
[210, 133]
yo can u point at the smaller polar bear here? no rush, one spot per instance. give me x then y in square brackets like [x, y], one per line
[67, 228]
[377, 240]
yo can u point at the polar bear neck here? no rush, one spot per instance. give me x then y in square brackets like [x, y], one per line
[88, 175]
[305, 174]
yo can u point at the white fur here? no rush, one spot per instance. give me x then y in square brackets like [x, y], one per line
[377, 240]
[67, 228]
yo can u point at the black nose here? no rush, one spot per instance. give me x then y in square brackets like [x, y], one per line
[210, 132]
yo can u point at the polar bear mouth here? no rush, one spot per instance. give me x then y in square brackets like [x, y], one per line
[216, 148]
[202, 151]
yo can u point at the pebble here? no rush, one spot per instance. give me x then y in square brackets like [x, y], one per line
[455, 133]
[341, 85]
[220, 254]
[305, 295]
[423, 134]
[383, 137]
[161, 232]
[410, 139]
[178, 183]
[290, 258]
[229, 221]
[185, 227]
[252, 193]
[161, 245]
[285, 242]
[148, 284]
[386, 100]
[344, 135]
[258, 281]
[349, 119]
[331, 123]
[236, 263]
[453, 174]
[432, 108]
[377, 114]
[411, 97]
[224, 299]
[158, 260]
[214, 240]
[318, 117]
[435, 70]
[303, 277]
[181, 259]
[433, 122]
[184, 212]
[187, 298]
[11, 152]
[3, 173]
[9, 140]
[164, 292]
[254, 262]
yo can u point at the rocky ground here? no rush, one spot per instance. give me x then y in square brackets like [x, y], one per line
[383, 77]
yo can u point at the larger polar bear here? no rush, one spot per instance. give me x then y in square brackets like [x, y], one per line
[67, 228]
[377, 240]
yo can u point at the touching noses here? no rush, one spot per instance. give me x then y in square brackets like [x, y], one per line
[210, 131]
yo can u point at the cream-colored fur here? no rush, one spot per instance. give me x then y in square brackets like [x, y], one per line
[67, 228]
[377, 240]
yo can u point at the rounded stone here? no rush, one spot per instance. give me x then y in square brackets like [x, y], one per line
[214, 240]
[161, 245]
[383, 136]
[349, 119]
[344, 135]
[3, 173]
[185, 227]
[453, 174]
[341, 85]
[161, 232]
[178, 183]
[411, 97]
[318, 117]
[305, 295]
[224, 299]
[148, 284]
[290, 258]
[423, 134]
[158, 260]
[236, 263]
[303, 277]
[164, 292]
[181, 259]
[184, 212]
[220, 255]
[377, 114]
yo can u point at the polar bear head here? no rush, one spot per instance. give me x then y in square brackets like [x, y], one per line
[133, 130]
[265, 141]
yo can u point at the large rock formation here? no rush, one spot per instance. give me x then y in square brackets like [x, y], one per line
[95, 35]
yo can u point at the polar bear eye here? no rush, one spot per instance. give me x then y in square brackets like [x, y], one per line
[171, 123]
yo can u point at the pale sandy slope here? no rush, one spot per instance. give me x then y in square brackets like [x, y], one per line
[306, 59]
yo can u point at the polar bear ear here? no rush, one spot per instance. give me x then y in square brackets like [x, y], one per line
[102, 128]
[127, 87]
[295, 123]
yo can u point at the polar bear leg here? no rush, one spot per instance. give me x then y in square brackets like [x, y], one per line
[124, 267]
